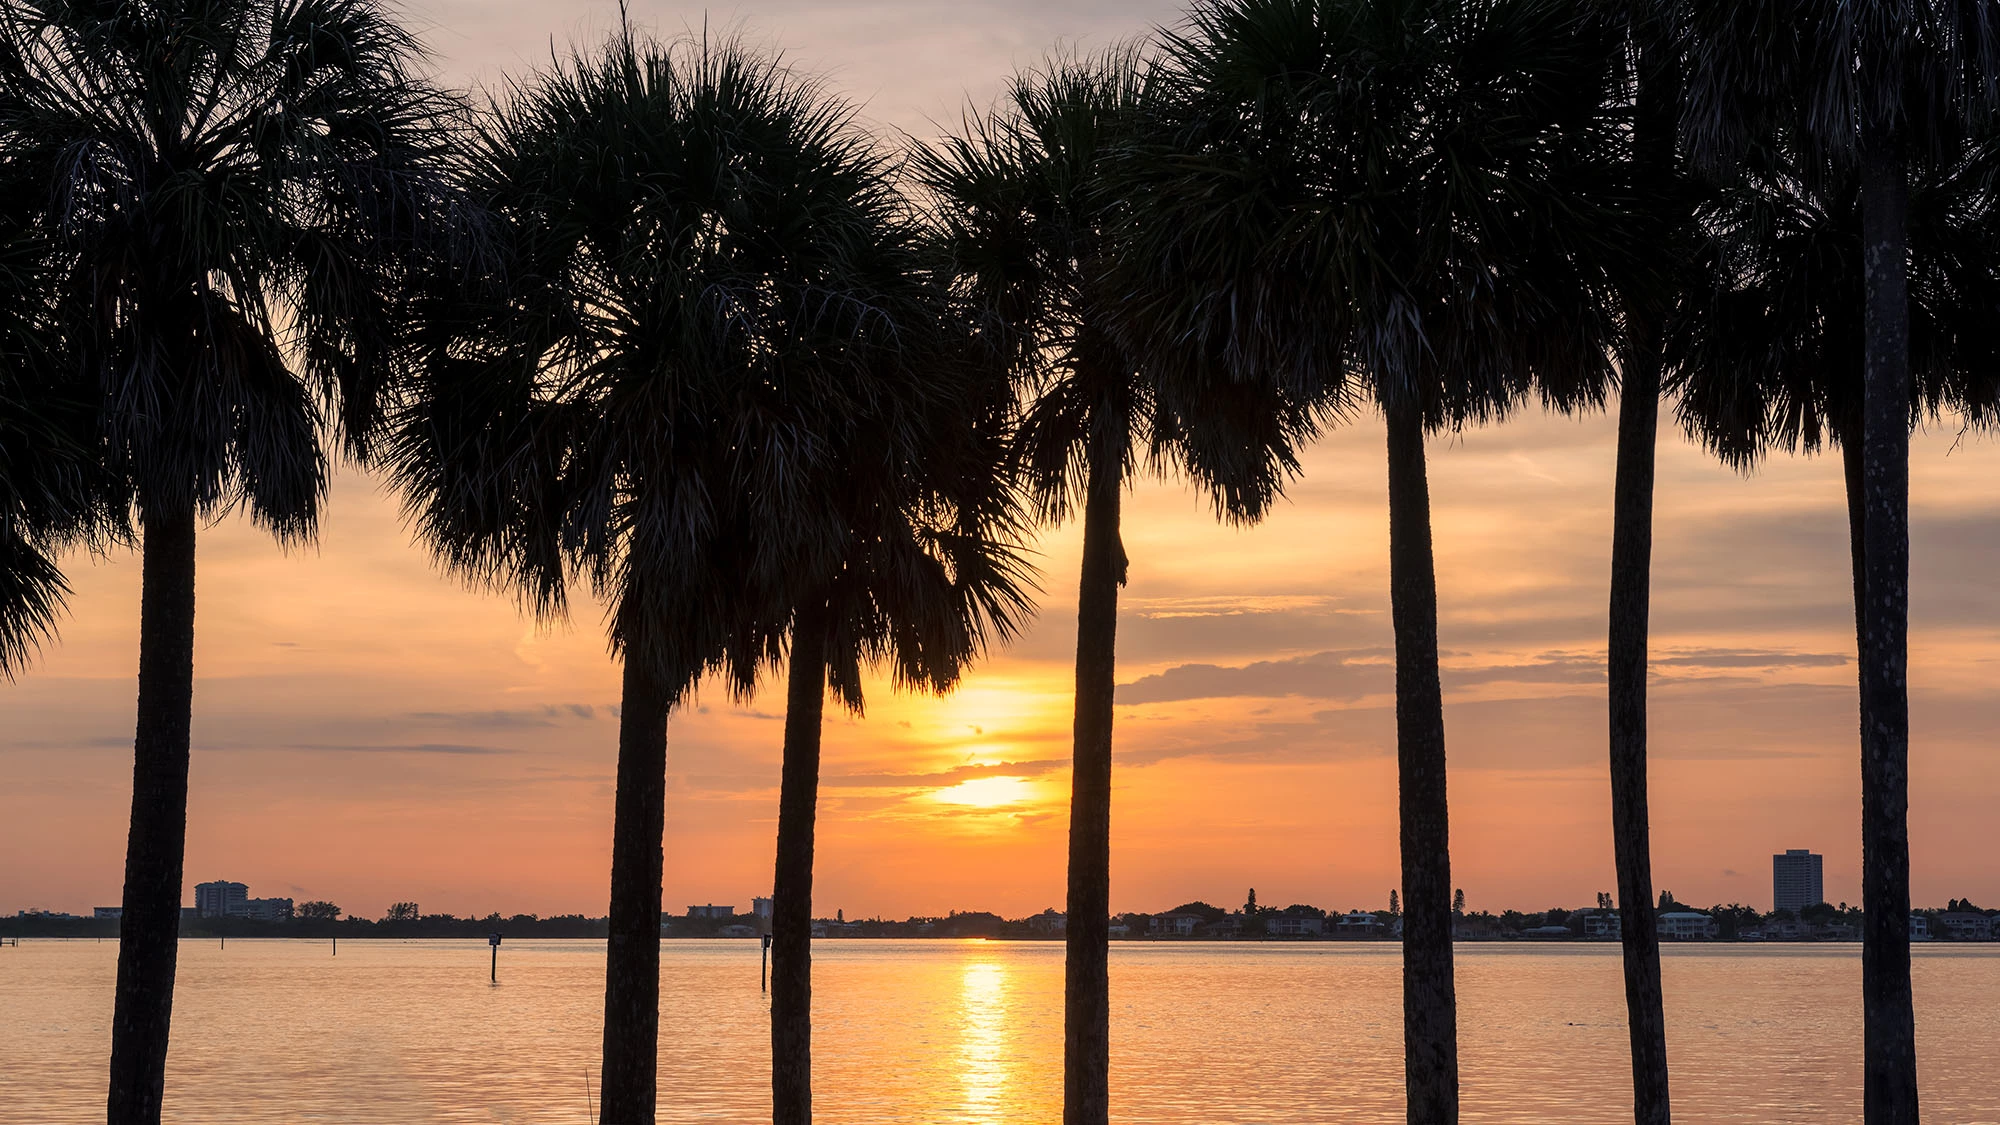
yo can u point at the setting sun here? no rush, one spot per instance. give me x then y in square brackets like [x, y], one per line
[987, 792]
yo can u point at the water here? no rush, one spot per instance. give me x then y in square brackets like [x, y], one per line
[970, 1033]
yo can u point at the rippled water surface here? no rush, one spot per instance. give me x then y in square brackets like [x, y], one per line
[971, 1032]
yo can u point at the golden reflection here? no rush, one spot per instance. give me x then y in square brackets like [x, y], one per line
[983, 1048]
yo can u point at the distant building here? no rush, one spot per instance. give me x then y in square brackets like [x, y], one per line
[220, 899]
[268, 909]
[1051, 922]
[1795, 880]
[1965, 925]
[107, 912]
[1601, 925]
[712, 911]
[1686, 925]
[1359, 923]
[1174, 923]
[1294, 925]
[1920, 928]
[761, 908]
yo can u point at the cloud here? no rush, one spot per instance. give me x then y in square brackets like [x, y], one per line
[544, 716]
[1346, 674]
[1353, 674]
[943, 778]
[1746, 658]
[399, 748]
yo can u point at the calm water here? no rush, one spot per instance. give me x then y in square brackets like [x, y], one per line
[971, 1032]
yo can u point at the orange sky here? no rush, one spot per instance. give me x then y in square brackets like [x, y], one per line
[367, 730]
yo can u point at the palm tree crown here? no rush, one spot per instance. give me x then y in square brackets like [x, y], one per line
[701, 376]
[232, 191]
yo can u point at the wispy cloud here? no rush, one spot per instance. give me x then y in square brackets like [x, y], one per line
[942, 778]
[396, 748]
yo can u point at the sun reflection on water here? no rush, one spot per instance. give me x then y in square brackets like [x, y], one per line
[983, 1049]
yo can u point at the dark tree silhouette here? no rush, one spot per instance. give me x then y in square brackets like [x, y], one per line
[231, 193]
[1409, 203]
[1029, 198]
[686, 331]
[1867, 93]
[929, 573]
[1653, 296]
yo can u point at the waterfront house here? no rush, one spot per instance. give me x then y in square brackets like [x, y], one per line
[1965, 925]
[1920, 928]
[1049, 923]
[1601, 925]
[1686, 925]
[1174, 923]
[719, 913]
[1358, 924]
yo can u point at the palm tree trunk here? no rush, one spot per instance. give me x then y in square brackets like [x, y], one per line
[1889, 1086]
[1656, 160]
[791, 887]
[628, 1085]
[149, 925]
[1430, 1003]
[1087, 981]
[1631, 833]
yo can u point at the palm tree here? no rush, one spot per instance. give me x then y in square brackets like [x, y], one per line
[1652, 301]
[232, 191]
[1863, 92]
[927, 574]
[1028, 199]
[1413, 201]
[694, 315]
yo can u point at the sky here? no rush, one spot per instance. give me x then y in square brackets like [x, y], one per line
[368, 729]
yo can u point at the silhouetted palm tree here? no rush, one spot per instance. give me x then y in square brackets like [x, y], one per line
[230, 190]
[1410, 201]
[928, 572]
[1863, 92]
[1029, 198]
[686, 331]
[1654, 298]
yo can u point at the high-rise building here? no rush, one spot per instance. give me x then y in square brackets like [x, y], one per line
[1795, 880]
[761, 907]
[220, 899]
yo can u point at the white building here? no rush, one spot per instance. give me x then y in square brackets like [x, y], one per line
[761, 908]
[712, 911]
[1360, 923]
[1174, 924]
[268, 909]
[1686, 925]
[1601, 925]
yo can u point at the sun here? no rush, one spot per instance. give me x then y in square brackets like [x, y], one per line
[987, 792]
